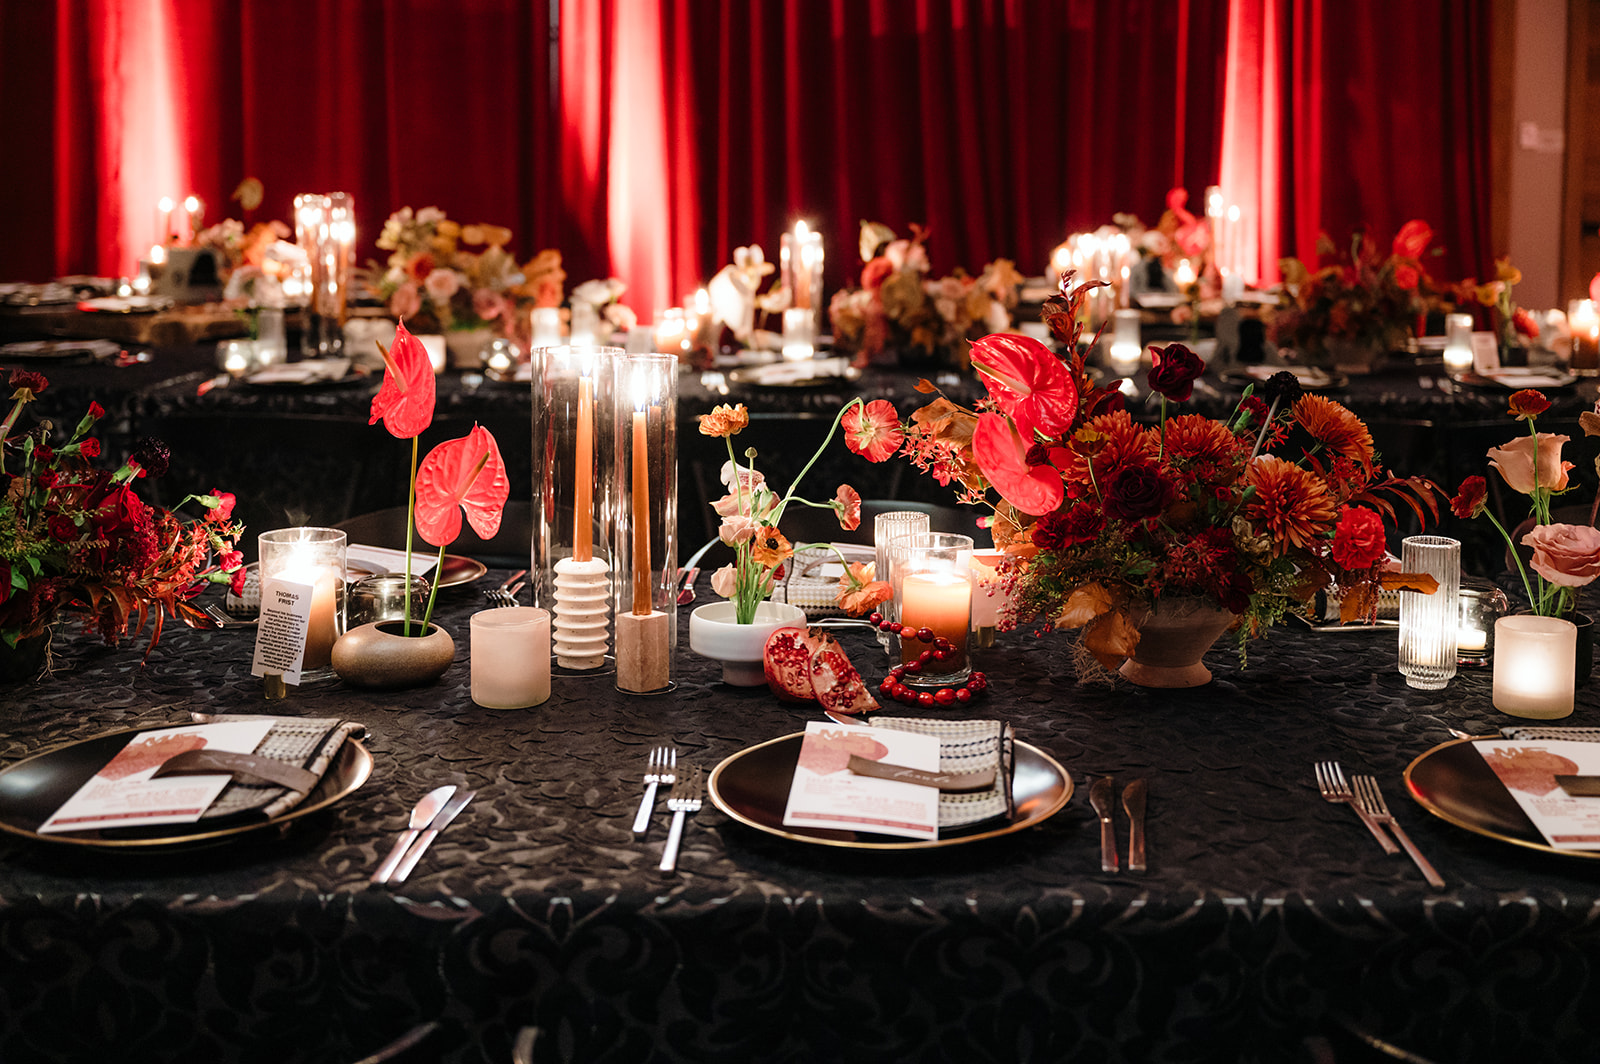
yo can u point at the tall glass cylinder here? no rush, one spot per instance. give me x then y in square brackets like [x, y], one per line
[933, 590]
[645, 539]
[302, 576]
[1430, 624]
[325, 226]
[1458, 342]
[887, 529]
[575, 498]
[800, 260]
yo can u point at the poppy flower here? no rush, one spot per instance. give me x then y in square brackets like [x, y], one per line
[1003, 458]
[1028, 382]
[847, 504]
[467, 473]
[873, 431]
[405, 399]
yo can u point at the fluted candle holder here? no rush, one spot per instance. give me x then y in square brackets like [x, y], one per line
[645, 539]
[573, 489]
[1430, 624]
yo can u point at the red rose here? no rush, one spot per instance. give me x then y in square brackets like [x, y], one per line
[62, 530]
[1358, 541]
[1406, 277]
[1173, 371]
[1137, 491]
[1528, 404]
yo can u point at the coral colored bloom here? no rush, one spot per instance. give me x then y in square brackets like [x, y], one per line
[725, 580]
[769, 548]
[1413, 238]
[1528, 404]
[725, 420]
[1568, 555]
[1407, 277]
[1335, 427]
[1173, 371]
[873, 431]
[1471, 498]
[858, 592]
[406, 397]
[847, 504]
[467, 473]
[1290, 505]
[1002, 457]
[1028, 382]
[1526, 463]
[1358, 541]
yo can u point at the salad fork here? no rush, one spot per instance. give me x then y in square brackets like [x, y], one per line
[685, 798]
[661, 767]
[1331, 782]
[1369, 798]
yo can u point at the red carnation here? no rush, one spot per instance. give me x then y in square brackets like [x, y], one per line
[48, 478]
[220, 513]
[1173, 371]
[1358, 541]
[1471, 498]
[96, 411]
[27, 378]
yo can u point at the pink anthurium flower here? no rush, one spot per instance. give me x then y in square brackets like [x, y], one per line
[467, 474]
[1029, 382]
[405, 399]
[1002, 455]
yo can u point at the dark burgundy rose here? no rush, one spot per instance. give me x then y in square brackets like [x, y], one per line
[1173, 371]
[62, 529]
[1137, 491]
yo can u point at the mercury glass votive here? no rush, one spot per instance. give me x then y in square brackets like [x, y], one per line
[382, 598]
[1430, 624]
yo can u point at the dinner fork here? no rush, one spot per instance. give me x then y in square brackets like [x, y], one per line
[1331, 782]
[685, 798]
[506, 593]
[660, 767]
[1369, 798]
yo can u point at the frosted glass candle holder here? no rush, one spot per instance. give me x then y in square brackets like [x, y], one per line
[1533, 666]
[645, 539]
[1430, 624]
[510, 657]
[574, 494]
[1458, 342]
[933, 590]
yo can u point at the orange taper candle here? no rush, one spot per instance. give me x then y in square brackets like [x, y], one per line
[583, 503]
[641, 520]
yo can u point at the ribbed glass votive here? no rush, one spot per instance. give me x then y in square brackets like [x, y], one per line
[1430, 624]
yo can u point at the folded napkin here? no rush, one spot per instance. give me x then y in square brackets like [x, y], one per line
[1534, 733]
[966, 746]
[308, 372]
[813, 582]
[308, 743]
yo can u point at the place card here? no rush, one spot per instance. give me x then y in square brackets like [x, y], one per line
[826, 794]
[123, 794]
[1529, 771]
[380, 560]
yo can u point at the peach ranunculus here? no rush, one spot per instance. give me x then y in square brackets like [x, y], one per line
[725, 580]
[724, 420]
[442, 285]
[1516, 461]
[858, 592]
[736, 529]
[406, 301]
[1568, 555]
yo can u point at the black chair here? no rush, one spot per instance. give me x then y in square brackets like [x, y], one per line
[511, 547]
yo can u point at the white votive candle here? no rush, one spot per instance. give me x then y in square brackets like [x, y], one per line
[1471, 639]
[322, 626]
[1533, 666]
[510, 657]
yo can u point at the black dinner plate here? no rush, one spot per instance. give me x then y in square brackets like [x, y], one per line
[35, 787]
[1454, 783]
[752, 787]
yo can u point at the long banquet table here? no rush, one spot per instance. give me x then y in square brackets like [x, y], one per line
[1268, 921]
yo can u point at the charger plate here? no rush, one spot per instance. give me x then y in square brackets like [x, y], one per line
[1454, 783]
[752, 787]
[35, 787]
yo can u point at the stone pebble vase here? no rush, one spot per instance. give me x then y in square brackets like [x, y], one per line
[1172, 639]
[714, 633]
[377, 656]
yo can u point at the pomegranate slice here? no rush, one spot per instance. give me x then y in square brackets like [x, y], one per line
[836, 682]
[787, 659]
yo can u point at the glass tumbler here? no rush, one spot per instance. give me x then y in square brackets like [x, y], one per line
[1430, 624]
[888, 528]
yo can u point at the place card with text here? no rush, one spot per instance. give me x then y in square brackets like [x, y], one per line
[826, 794]
[1529, 770]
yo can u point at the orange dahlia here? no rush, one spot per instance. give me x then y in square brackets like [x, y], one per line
[1117, 442]
[1202, 441]
[1335, 427]
[1290, 504]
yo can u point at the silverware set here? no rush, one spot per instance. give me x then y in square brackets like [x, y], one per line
[685, 797]
[506, 593]
[1102, 796]
[430, 816]
[1361, 794]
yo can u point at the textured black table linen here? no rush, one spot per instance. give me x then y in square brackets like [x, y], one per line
[1268, 917]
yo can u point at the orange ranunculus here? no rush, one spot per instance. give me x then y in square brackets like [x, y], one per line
[1413, 238]
[466, 473]
[1526, 463]
[724, 420]
[1568, 555]
[405, 399]
[1528, 404]
[769, 548]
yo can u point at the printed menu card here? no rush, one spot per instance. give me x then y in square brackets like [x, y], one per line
[122, 794]
[826, 794]
[1529, 770]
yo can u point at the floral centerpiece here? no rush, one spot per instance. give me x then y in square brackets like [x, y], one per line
[899, 308]
[1364, 300]
[78, 539]
[1493, 305]
[436, 280]
[1102, 518]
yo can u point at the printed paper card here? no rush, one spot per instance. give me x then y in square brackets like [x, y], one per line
[826, 794]
[1529, 768]
[388, 560]
[122, 794]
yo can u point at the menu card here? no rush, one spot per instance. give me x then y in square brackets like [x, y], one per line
[388, 560]
[826, 794]
[1528, 770]
[122, 794]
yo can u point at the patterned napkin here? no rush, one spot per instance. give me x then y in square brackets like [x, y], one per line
[807, 586]
[310, 743]
[1533, 733]
[966, 746]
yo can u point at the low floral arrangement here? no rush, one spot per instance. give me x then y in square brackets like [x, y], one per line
[1494, 307]
[898, 307]
[465, 475]
[1365, 300]
[1101, 518]
[77, 539]
[1565, 556]
[598, 302]
[750, 514]
[436, 281]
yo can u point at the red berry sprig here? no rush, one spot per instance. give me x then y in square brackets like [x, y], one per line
[894, 685]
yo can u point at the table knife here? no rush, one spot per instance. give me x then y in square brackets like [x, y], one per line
[447, 814]
[1101, 797]
[1133, 796]
[421, 817]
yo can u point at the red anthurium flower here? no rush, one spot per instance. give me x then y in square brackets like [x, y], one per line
[1002, 455]
[1028, 381]
[468, 473]
[405, 400]
[1412, 239]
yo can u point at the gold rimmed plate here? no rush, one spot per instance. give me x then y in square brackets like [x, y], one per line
[1454, 783]
[752, 787]
[458, 570]
[35, 787]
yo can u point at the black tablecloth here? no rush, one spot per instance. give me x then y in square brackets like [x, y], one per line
[1268, 916]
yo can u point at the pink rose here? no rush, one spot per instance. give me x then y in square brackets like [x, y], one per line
[1568, 555]
[442, 285]
[724, 580]
[1515, 461]
[736, 529]
[406, 301]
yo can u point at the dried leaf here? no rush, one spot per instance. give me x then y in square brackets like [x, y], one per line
[1111, 638]
[1358, 604]
[1421, 583]
[1084, 605]
[925, 386]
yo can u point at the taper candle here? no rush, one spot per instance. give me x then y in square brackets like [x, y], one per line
[641, 515]
[583, 507]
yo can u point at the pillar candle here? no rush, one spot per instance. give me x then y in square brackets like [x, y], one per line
[321, 628]
[510, 657]
[941, 601]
